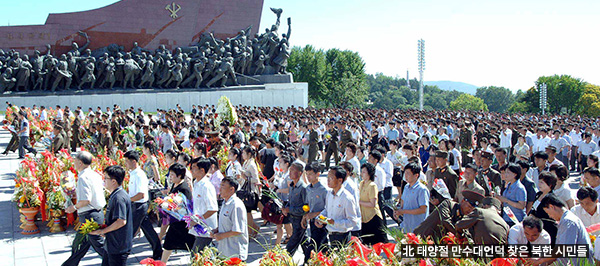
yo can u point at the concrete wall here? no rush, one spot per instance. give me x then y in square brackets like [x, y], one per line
[274, 95]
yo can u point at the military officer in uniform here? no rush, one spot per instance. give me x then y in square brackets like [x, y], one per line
[332, 148]
[313, 142]
[445, 214]
[446, 173]
[485, 226]
[75, 140]
[345, 135]
[58, 142]
[105, 141]
[487, 177]
[466, 141]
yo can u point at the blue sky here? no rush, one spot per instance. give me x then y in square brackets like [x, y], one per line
[503, 43]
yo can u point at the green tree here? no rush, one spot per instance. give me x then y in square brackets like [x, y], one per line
[335, 78]
[526, 102]
[563, 92]
[498, 99]
[590, 100]
[307, 64]
[468, 102]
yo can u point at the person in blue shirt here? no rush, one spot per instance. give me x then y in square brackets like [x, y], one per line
[415, 199]
[514, 195]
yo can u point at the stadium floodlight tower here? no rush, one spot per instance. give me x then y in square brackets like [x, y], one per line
[543, 97]
[421, 68]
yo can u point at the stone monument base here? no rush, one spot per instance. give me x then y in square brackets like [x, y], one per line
[267, 95]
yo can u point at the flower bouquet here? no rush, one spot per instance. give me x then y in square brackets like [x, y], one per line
[225, 112]
[84, 230]
[322, 219]
[178, 207]
[152, 262]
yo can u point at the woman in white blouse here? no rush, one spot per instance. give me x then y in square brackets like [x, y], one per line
[234, 167]
[562, 191]
[250, 172]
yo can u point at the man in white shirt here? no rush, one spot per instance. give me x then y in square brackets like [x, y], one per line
[388, 167]
[351, 186]
[586, 148]
[339, 209]
[204, 201]
[506, 137]
[588, 208]
[43, 113]
[575, 135]
[529, 231]
[90, 202]
[138, 192]
[59, 113]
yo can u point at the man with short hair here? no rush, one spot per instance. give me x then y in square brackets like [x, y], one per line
[232, 233]
[415, 199]
[340, 210]
[540, 160]
[552, 160]
[591, 175]
[468, 182]
[316, 194]
[586, 148]
[446, 173]
[571, 231]
[138, 192]
[119, 230]
[294, 209]
[23, 134]
[204, 202]
[529, 231]
[90, 202]
[588, 208]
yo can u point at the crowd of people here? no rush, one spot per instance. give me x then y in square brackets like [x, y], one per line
[485, 177]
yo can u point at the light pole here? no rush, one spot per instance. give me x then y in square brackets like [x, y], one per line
[421, 57]
[543, 97]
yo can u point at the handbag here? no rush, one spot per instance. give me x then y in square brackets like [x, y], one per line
[247, 196]
[272, 213]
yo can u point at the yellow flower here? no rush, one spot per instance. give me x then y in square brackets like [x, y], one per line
[305, 208]
[22, 199]
[321, 217]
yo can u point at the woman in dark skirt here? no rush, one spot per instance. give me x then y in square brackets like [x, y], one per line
[177, 237]
[547, 183]
[373, 227]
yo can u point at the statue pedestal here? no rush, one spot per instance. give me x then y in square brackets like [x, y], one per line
[266, 95]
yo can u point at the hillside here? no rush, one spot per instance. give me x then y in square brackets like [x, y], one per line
[454, 85]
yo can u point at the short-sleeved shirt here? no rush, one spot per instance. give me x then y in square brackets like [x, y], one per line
[515, 192]
[368, 191]
[25, 128]
[205, 199]
[267, 158]
[516, 236]
[297, 198]
[138, 183]
[413, 197]
[352, 188]
[572, 231]
[119, 207]
[233, 218]
[315, 196]
[530, 188]
[90, 187]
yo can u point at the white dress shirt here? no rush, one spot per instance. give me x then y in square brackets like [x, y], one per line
[352, 188]
[379, 177]
[388, 167]
[585, 217]
[516, 236]
[341, 208]
[205, 199]
[138, 183]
